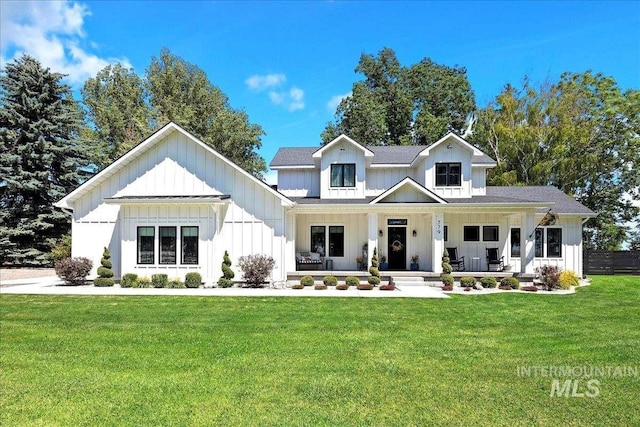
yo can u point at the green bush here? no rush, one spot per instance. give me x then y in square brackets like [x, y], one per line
[468, 282]
[373, 280]
[176, 283]
[160, 281]
[62, 250]
[129, 280]
[567, 279]
[143, 282]
[352, 281]
[512, 282]
[447, 279]
[227, 273]
[330, 280]
[320, 287]
[306, 281]
[104, 271]
[193, 280]
[489, 282]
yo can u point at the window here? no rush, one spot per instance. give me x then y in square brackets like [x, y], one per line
[539, 239]
[515, 242]
[446, 233]
[448, 174]
[336, 240]
[343, 175]
[554, 242]
[490, 233]
[471, 233]
[167, 245]
[318, 243]
[189, 245]
[146, 245]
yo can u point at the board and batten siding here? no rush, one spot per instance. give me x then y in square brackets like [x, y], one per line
[299, 182]
[442, 154]
[252, 221]
[342, 153]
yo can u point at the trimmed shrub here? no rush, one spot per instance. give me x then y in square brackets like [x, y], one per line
[256, 269]
[365, 286]
[512, 282]
[306, 281]
[529, 288]
[447, 279]
[447, 288]
[129, 280]
[193, 280]
[61, 250]
[567, 279]
[176, 283]
[159, 280]
[330, 280]
[342, 286]
[227, 273]
[143, 282]
[351, 281]
[549, 276]
[468, 281]
[320, 287]
[297, 286]
[73, 271]
[373, 280]
[488, 282]
[104, 271]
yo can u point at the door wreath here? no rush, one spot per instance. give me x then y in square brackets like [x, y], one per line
[396, 246]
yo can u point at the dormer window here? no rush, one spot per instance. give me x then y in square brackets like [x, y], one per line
[448, 174]
[343, 175]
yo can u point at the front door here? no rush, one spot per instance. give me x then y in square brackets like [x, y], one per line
[397, 248]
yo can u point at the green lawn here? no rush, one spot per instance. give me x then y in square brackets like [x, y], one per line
[189, 361]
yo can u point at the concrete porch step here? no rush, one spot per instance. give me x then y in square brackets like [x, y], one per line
[408, 280]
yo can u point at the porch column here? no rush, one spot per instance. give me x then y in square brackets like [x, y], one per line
[437, 225]
[289, 256]
[372, 236]
[527, 244]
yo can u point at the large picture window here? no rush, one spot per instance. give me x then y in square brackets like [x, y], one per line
[448, 174]
[336, 240]
[146, 245]
[168, 245]
[515, 242]
[189, 245]
[343, 175]
[318, 243]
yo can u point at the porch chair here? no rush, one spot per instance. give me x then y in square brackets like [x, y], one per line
[454, 260]
[494, 259]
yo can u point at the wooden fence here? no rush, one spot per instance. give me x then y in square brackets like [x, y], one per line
[611, 262]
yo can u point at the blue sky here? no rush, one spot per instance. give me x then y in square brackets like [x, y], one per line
[288, 63]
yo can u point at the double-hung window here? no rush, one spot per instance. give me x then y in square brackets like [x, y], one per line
[168, 241]
[146, 245]
[448, 174]
[189, 245]
[343, 175]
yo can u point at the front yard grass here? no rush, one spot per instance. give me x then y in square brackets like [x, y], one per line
[201, 361]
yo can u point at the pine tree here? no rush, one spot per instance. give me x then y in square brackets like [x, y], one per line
[41, 159]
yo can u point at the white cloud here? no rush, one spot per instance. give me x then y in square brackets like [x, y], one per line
[261, 82]
[293, 99]
[333, 103]
[53, 33]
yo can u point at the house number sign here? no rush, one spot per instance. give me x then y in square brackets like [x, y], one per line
[438, 227]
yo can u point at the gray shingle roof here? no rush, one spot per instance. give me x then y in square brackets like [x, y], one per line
[389, 155]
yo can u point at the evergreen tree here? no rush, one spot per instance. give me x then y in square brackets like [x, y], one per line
[227, 273]
[105, 271]
[41, 159]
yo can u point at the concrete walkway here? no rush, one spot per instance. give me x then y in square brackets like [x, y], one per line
[54, 286]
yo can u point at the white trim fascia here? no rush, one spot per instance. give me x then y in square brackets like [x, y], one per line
[424, 153]
[143, 146]
[292, 167]
[318, 153]
[196, 200]
[390, 165]
[409, 181]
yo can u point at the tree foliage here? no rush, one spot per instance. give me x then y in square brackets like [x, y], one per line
[42, 158]
[117, 106]
[397, 105]
[581, 135]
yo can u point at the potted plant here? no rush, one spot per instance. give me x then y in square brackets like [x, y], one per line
[383, 263]
[359, 263]
[414, 263]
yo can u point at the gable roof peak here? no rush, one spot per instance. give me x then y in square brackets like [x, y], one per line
[340, 139]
